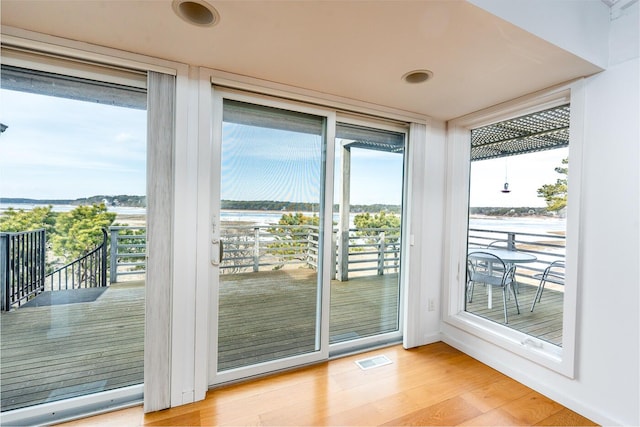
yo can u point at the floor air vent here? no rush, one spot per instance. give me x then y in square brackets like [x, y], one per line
[373, 362]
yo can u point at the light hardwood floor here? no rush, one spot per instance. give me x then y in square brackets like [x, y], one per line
[431, 385]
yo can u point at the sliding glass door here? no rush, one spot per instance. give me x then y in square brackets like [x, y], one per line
[306, 234]
[271, 213]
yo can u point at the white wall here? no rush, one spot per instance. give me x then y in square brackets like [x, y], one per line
[609, 355]
[607, 384]
[433, 218]
[580, 27]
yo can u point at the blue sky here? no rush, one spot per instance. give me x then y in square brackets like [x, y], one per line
[64, 149]
[59, 148]
[270, 164]
[376, 177]
[525, 174]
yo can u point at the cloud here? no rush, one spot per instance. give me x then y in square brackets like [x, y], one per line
[123, 137]
[59, 147]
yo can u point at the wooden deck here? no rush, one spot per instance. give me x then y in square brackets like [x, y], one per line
[268, 315]
[59, 351]
[545, 322]
[66, 350]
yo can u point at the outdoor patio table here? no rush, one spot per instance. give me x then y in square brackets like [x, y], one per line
[508, 256]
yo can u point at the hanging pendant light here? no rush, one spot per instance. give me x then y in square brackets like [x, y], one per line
[505, 187]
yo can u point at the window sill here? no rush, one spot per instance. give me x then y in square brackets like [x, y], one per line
[538, 351]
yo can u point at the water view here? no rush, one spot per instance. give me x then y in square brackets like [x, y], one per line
[526, 224]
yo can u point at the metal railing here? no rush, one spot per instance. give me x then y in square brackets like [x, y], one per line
[369, 249]
[128, 251]
[22, 266]
[250, 248]
[546, 247]
[88, 271]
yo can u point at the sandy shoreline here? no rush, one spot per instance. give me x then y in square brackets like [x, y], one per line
[131, 220]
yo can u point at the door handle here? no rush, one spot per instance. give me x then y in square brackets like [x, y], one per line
[216, 256]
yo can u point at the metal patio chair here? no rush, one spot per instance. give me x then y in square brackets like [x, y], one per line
[492, 272]
[554, 273]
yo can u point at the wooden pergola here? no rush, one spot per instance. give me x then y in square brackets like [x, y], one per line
[539, 131]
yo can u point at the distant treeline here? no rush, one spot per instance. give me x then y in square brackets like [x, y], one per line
[268, 205]
[119, 200]
[489, 211]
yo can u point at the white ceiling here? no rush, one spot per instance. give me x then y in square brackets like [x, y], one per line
[354, 49]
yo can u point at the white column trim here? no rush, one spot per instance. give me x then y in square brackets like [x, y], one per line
[160, 202]
[414, 237]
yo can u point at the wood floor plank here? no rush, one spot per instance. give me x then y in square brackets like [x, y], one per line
[432, 385]
[495, 417]
[566, 417]
[495, 394]
[532, 408]
[446, 413]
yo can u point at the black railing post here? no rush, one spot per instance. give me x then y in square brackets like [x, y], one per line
[42, 250]
[4, 271]
[103, 261]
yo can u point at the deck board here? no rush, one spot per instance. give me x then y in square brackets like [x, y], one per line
[545, 322]
[60, 351]
[272, 314]
[54, 352]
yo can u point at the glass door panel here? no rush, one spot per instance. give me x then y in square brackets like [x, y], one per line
[71, 150]
[271, 193]
[365, 292]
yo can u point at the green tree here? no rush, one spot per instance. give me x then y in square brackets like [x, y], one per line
[293, 234]
[19, 220]
[80, 230]
[556, 194]
[381, 220]
[298, 218]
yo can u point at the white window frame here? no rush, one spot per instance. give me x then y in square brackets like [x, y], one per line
[558, 359]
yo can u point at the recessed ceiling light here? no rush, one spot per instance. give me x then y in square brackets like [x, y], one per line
[196, 12]
[417, 76]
